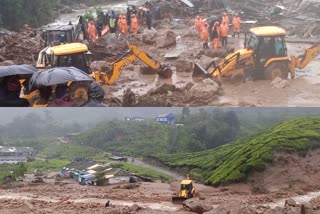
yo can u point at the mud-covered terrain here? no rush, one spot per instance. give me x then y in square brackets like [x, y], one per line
[278, 189]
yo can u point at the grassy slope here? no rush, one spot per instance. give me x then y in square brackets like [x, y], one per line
[234, 162]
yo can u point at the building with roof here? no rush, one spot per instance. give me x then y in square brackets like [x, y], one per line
[134, 119]
[13, 159]
[16, 151]
[166, 118]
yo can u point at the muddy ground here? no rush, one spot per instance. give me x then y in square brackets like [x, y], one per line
[289, 176]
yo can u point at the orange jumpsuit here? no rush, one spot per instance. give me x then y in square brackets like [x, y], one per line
[92, 31]
[225, 18]
[120, 24]
[124, 26]
[134, 25]
[198, 24]
[205, 36]
[236, 24]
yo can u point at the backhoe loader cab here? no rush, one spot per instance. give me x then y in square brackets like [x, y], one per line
[59, 34]
[70, 55]
[187, 191]
[74, 54]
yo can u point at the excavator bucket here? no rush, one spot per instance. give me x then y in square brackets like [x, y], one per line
[165, 72]
[199, 71]
[178, 200]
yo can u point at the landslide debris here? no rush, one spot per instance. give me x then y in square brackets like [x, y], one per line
[203, 93]
[21, 47]
[237, 160]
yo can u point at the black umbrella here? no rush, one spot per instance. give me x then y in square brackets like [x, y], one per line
[56, 76]
[17, 70]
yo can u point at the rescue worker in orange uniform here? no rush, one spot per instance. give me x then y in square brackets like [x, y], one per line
[224, 30]
[120, 24]
[134, 24]
[225, 18]
[197, 24]
[236, 25]
[92, 31]
[215, 35]
[124, 26]
[205, 35]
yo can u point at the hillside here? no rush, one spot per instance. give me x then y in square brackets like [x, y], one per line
[235, 161]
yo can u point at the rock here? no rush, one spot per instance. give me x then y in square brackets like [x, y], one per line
[191, 33]
[207, 85]
[149, 36]
[306, 208]
[184, 65]
[163, 89]
[168, 39]
[135, 208]
[195, 205]
[66, 10]
[233, 208]
[205, 61]
[279, 83]
[82, 6]
[290, 203]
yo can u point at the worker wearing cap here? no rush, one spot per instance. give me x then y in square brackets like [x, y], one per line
[224, 30]
[236, 25]
[205, 35]
[215, 35]
[134, 24]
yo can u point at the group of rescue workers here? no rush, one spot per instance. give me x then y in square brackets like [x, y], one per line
[218, 32]
[116, 23]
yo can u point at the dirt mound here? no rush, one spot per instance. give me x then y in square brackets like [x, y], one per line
[200, 94]
[21, 48]
[108, 47]
[294, 172]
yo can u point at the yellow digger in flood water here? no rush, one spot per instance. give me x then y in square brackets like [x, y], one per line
[264, 57]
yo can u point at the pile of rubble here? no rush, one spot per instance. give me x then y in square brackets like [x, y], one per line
[203, 93]
[108, 47]
[237, 207]
[21, 47]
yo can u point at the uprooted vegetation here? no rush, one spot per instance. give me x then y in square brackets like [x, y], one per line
[235, 161]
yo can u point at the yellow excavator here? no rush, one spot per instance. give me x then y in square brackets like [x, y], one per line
[77, 55]
[264, 57]
[187, 191]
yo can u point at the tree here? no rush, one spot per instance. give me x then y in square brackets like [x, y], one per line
[20, 170]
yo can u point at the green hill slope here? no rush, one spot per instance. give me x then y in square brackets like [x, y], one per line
[234, 161]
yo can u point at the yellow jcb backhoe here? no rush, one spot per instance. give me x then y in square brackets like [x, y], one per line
[187, 191]
[264, 57]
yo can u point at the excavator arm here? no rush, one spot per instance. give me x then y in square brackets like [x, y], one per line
[302, 61]
[117, 67]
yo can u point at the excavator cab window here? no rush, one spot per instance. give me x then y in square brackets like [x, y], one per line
[75, 60]
[253, 42]
[187, 187]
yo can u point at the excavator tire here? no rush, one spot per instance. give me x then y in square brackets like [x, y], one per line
[277, 69]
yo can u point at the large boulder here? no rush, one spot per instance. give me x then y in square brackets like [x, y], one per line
[149, 36]
[167, 39]
[197, 206]
[233, 208]
[206, 85]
